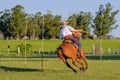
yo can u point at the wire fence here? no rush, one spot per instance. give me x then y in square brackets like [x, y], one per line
[96, 53]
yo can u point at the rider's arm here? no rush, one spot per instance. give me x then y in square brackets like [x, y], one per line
[79, 30]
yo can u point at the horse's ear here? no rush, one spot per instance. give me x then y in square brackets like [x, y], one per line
[77, 35]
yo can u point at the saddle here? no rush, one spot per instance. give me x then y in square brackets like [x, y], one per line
[71, 42]
[76, 35]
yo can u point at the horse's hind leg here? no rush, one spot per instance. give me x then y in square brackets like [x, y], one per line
[61, 56]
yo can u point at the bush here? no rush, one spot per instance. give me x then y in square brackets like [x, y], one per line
[24, 48]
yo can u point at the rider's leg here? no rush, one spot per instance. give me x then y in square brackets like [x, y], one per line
[78, 43]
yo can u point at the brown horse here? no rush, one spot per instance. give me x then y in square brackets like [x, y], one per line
[68, 50]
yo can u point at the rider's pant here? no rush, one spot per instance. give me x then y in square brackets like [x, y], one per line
[77, 42]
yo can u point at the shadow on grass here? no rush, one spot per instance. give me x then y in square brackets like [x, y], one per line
[5, 68]
[15, 69]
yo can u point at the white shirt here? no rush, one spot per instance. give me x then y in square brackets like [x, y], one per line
[66, 30]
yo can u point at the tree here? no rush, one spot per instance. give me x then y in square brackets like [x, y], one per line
[16, 22]
[81, 21]
[51, 25]
[104, 21]
[5, 17]
[54, 30]
[73, 20]
[33, 26]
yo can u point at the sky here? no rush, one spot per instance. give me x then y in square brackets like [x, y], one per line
[65, 8]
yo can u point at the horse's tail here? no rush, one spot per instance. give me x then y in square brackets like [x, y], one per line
[59, 51]
[60, 54]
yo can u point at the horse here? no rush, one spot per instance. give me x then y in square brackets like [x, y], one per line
[68, 50]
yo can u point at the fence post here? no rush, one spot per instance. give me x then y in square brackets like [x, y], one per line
[109, 51]
[18, 51]
[8, 49]
[101, 52]
[93, 49]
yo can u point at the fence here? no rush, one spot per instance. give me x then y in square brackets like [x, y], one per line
[92, 54]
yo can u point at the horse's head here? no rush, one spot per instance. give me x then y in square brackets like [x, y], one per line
[77, 35]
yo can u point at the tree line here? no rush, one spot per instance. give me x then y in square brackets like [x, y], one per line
[17, 24]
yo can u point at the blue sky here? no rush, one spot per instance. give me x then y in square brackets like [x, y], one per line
[63, 7]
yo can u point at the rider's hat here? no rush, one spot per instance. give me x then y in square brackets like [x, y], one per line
[64, 23]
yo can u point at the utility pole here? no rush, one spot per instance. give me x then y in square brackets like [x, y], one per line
[42, 43]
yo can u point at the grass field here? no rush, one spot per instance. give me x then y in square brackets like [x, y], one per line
[55, 69]
[21, 68]
[53, 44]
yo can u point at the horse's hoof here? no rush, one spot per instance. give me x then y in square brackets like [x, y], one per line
[82, 69]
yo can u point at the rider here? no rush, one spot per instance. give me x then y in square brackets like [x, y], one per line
[66, 32]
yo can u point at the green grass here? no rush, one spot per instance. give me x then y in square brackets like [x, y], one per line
[30, 68]
[55, 69]
[36, 44]
[53, 44]
[105, 44]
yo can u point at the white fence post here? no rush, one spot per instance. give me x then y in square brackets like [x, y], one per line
[93, 49]
[18, 51]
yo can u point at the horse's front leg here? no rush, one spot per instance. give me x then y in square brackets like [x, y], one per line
[83, 57]
[75, 61]
[82, 68]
